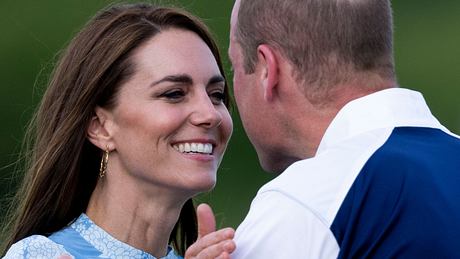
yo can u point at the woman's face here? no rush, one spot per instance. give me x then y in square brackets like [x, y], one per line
[170, 126]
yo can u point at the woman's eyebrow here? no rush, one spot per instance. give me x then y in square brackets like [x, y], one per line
[181, 78]
[216, 79]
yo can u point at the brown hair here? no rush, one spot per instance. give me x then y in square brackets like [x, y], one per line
[325, 40]
[62, 165]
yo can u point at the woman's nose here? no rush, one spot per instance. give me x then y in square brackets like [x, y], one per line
[205, 113]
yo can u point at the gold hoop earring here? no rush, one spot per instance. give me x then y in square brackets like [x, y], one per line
[104, 161]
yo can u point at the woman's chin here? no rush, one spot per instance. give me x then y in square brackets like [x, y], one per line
[203, 187]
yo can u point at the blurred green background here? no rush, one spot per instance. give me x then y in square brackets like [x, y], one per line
[427, 46]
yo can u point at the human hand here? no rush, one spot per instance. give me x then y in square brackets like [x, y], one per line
[210, 243]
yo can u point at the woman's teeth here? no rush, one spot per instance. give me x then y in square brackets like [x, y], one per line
[204, 148]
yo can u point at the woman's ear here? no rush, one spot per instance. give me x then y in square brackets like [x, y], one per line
[98, 132]
[269, 74]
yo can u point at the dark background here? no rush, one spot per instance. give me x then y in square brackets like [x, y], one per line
[427, 50]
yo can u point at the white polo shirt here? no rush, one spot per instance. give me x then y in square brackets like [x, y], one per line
[385, 173]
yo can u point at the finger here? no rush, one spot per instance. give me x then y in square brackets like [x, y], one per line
[206, 220]
[224, 255]
[229, 247]
[209, 240]
[219, 250]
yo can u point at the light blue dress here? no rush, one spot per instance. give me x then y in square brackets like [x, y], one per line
[82, 239]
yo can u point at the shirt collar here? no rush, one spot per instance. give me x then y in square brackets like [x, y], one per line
[383, 109]
[109, 246]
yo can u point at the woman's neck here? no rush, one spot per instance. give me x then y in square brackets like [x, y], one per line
[125, 211]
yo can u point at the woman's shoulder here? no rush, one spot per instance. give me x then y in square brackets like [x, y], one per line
[37, 246]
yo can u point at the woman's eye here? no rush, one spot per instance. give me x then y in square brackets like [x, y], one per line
[174, 95]
[217, 97]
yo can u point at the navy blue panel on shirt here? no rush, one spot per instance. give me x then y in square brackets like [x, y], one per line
[405, 202]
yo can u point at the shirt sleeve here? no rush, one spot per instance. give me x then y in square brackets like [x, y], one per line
[37, 247]
[278, 226]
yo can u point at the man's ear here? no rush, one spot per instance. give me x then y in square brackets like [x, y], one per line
[98, 132]
[269, 74]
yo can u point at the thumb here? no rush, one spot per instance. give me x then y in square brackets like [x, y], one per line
[206, 220]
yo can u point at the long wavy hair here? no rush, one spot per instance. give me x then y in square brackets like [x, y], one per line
[61, 168]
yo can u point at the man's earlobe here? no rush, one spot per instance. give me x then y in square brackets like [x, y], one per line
[269, 74]
[97, 132]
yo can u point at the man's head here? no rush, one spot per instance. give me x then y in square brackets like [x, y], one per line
[333, 51]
